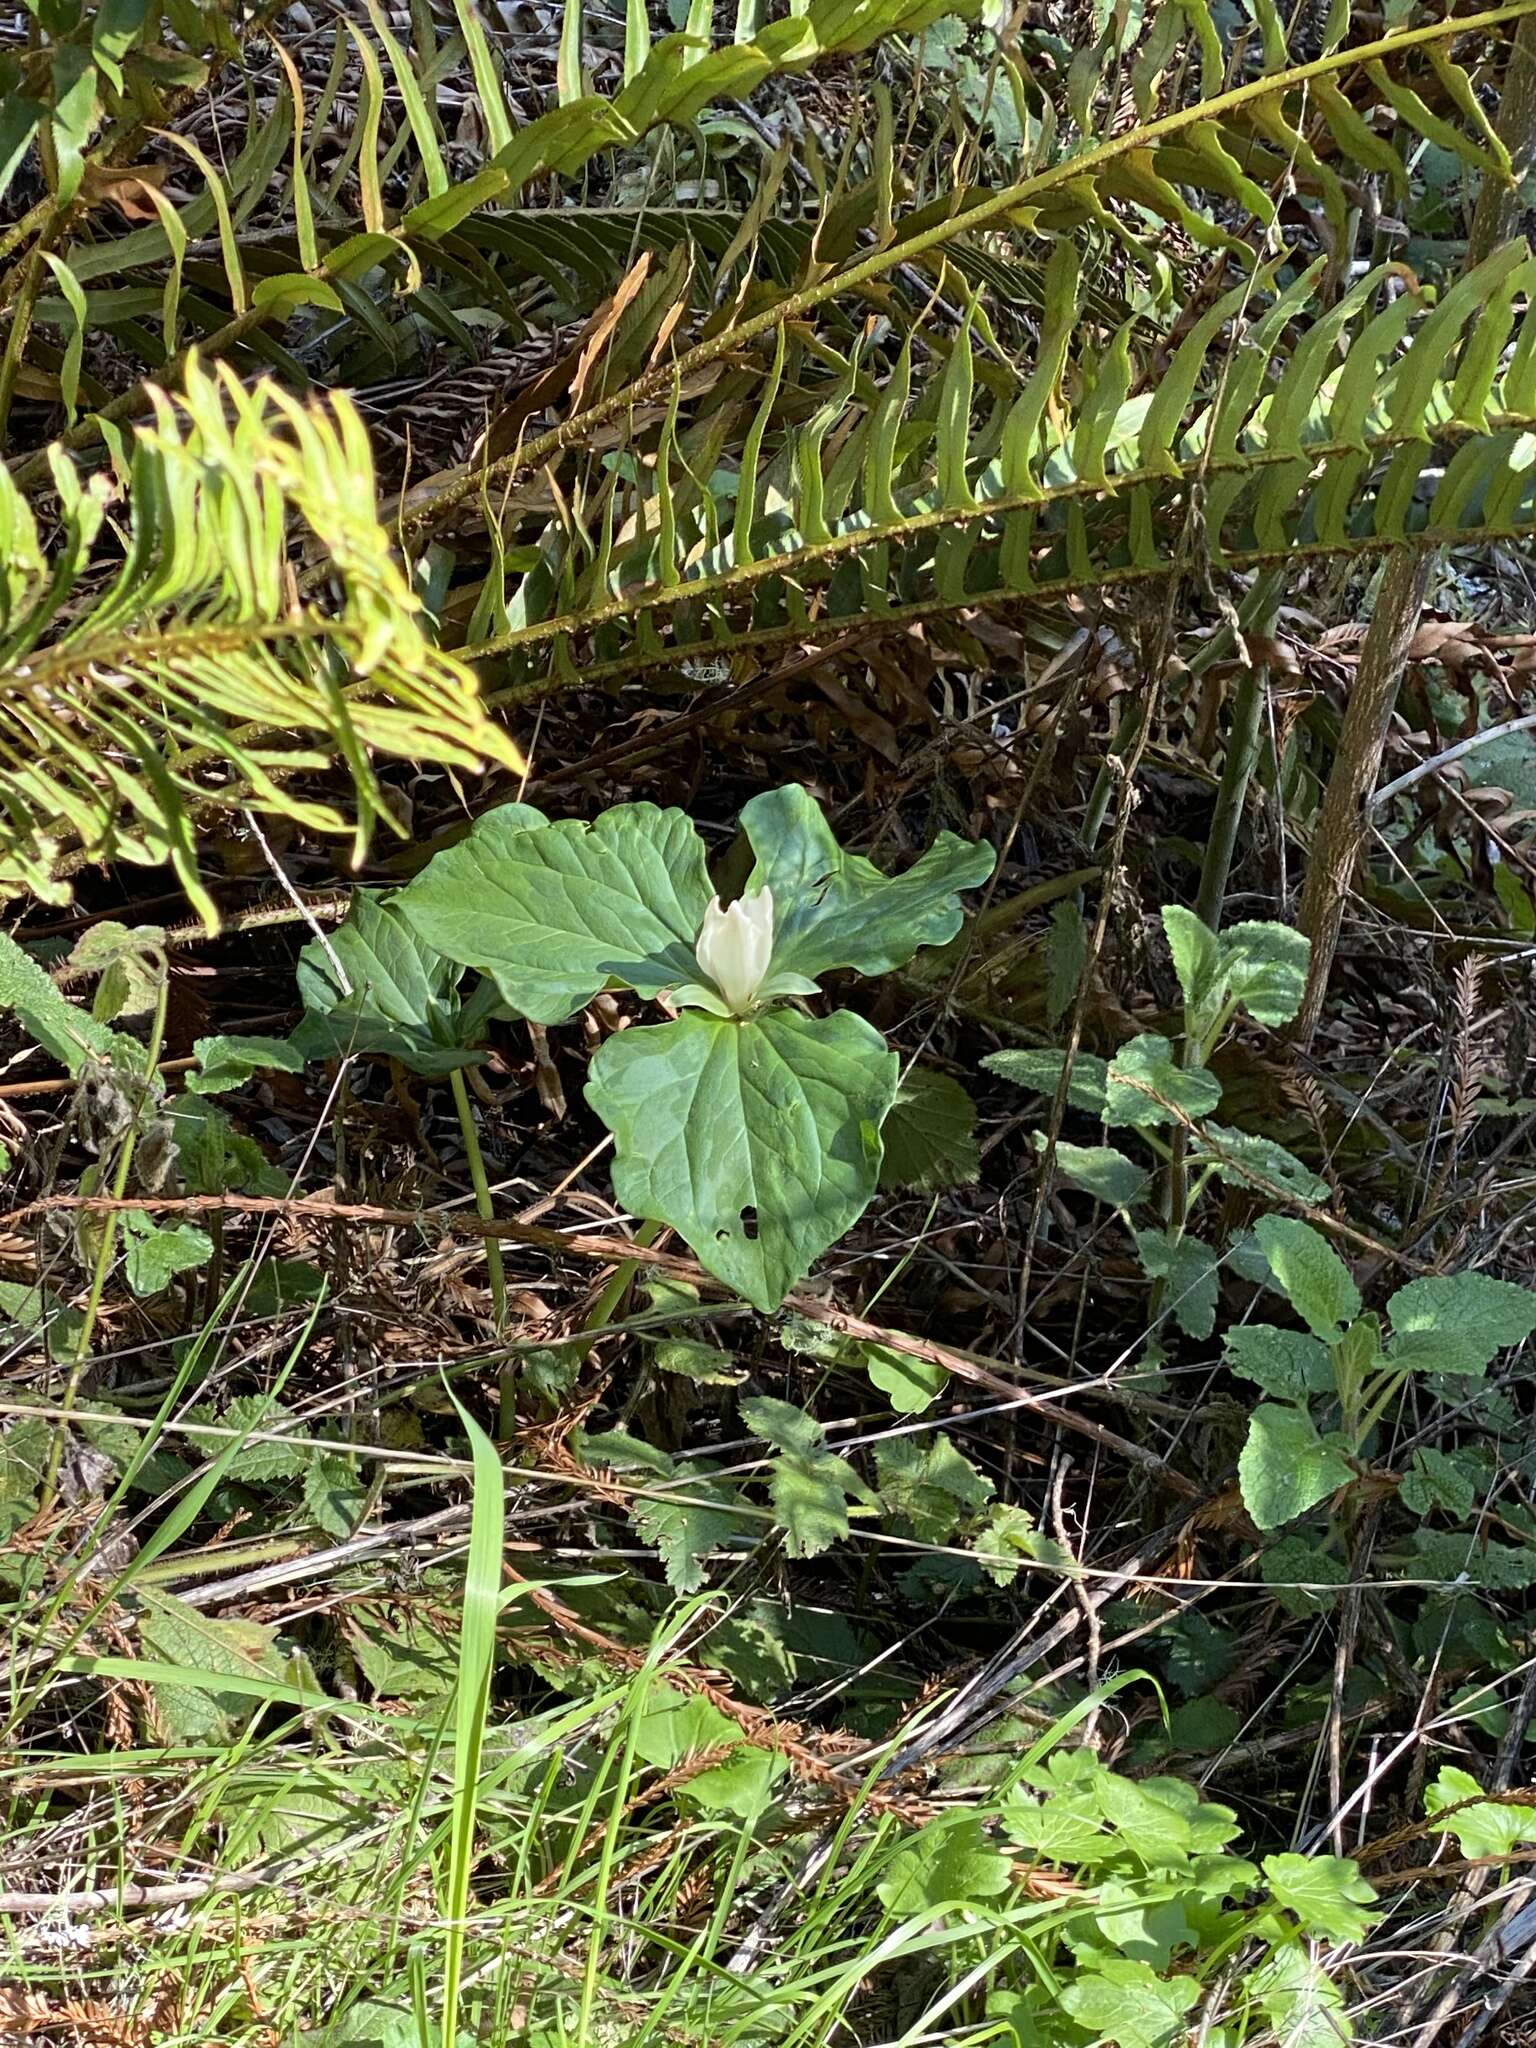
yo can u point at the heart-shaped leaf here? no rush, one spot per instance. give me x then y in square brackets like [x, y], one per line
[758, 1140]
[836, 909]
[377, 987]
[553, 913]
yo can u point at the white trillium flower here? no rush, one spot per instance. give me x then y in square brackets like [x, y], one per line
[734, 947]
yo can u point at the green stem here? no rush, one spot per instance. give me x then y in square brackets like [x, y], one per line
[1098, 801]
[608, 1303]
[107, 1247]
[1243, 747]
[483, 1202]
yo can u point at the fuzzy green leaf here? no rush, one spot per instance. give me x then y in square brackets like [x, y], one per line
[1104, 1173]
[758, 1141]
[1314, 1278]
[1287, 1363]
[153, 1257]
[1242, 1157]
[225, 1062]
[172, 1632]
[1264, 966]
[1191, 1276]
[1458, 1322]
[1040, 1072]
[1195, 954]
[1147, 1068]
[1285, 1467]
[926, 1483]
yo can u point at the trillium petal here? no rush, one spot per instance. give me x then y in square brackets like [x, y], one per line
[735, 945]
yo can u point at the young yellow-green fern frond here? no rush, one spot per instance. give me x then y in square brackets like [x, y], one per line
[164, 668]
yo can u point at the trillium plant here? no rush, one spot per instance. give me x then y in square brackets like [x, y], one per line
[748, 1123]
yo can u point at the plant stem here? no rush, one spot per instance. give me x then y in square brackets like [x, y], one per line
[1499, 206]
[609, 1301]
[1340, 830]
[1242, 758]
[107, 1246]
[483, 1202]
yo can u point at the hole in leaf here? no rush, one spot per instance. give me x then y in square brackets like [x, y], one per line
[749, 1225]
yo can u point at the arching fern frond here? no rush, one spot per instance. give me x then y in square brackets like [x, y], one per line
[163, 668]
[1377, 420]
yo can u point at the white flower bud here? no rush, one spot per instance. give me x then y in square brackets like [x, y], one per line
[734, 947]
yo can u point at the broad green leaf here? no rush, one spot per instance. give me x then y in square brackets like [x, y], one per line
[1285, 1467]
[1260, 966]
[213, 1157]
[810, 1501]
[1066, 952]
[411, 1657]
[810, 1485]
[152, 1257]
[1301, 1574]
[1440, 1480]
[375, 986]
[70, 1034]
[1203, 1726]
[554, 913]
[130, 962]
[1486, 1829]
[225, 1062]
[1290, 1364]
[1164, 1820]
[1462, 1560]
[835, 909]
[1326, 1893]
[684, 1530]
[911, 1385]
[1313, 1277]
[1195, 955]
[673, 1727]
[1191, 1276]
[1475, 1316]
[172, 1632]
[1145, 1069]
[705, 1364]
[949, 1862]
[1011, 1540]
[1235, 1156]
[260, 1462]
[1041, 1073]
[1125, 2002]
[35, 1311]
[1264, 967]
[1101, 1171]
[926, 1483]
[929, 1134]
[782, 1424]
[758, 1141]
[335, 1496]
[1300, 2000]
